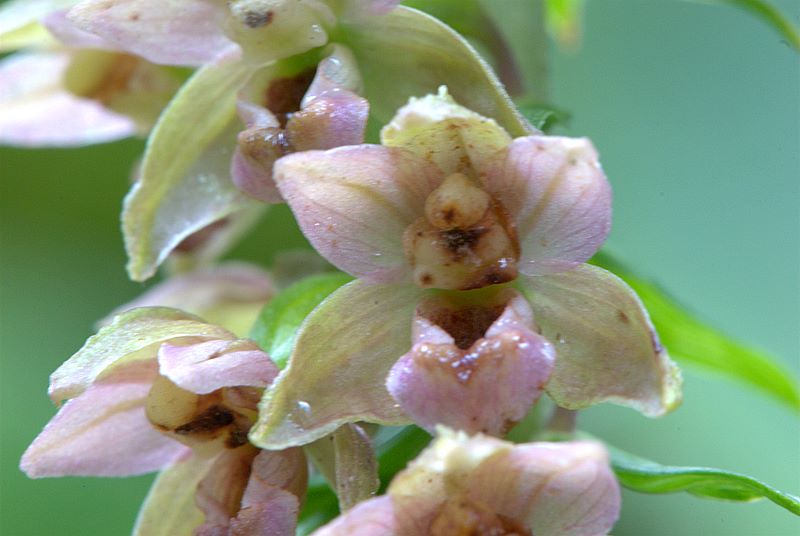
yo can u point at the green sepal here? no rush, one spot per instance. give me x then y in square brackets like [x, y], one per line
[691, 342]
[408, 53]
[543, 117]
[275, 329]
[647, 476]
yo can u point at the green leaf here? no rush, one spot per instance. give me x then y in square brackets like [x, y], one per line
[407, 53]
[396, 448]
[650, 477]
[276, 327]
[185, 183]
[769, 14]
[692, 342]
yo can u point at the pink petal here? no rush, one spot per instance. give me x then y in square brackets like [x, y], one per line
[485, 388]
[374, 517]
[38, 111]
[335, 118]
[556, 192]
[354, 203]
[607, 347]
[207, 366]
[63, 29]
[171, 32]
[270, 504]
[104, 432]
[253, 159]
[337, 72]
[556, 489]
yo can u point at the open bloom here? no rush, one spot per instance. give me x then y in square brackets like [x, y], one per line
[480, 485]
[433, 223]
[74, 88]
[160, 389]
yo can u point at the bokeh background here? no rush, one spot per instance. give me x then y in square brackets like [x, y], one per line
[696, 112]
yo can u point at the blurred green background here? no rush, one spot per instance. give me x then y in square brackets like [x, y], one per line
[695, 110]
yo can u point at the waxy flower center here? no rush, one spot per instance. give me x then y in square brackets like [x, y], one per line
[464, 241]
[462, 516]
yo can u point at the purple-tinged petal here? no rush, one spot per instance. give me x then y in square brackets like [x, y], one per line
[65, 30]
[204, 367]
[354, 203]
[336, 72]
[38, 111]
[104, 432]
[19, 22]
[171, 32]
[271, 500]
[486, 387]
[557, 194]
[132, 336]
[170, 509]
[229, 295]
[334, 377]
[334, 118]
[375, 517]
[556, 489]
[607, 347]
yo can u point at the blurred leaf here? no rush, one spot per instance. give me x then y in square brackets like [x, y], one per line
[690, 341]
[276, 327]
[768, 13]
[564, 20]
[650, 477]
[543, 117]
[408, 53]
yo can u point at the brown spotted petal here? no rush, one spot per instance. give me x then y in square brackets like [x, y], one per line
[484, 385]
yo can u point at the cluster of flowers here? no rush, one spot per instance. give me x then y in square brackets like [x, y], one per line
[468, 246]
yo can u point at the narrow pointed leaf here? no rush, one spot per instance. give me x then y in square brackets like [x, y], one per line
[338, 367]
[650, 477]
[185, 183]
[769, 14]
[275, 329]
[409, 53]
[692, 342]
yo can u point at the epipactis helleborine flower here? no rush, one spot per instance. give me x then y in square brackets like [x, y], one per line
[481, 485]
[160, 389]
[433, 223]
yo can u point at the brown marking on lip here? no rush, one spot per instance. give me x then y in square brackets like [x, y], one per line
[465, 324]
[213, 418]
[458, 240]
[622, 317]
[115, 80]
[284, 95]
[237, 438]
[256, 19]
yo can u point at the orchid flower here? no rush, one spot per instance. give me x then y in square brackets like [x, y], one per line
[77, 89]
[160, 389]
[481, 485]
[482, 240]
